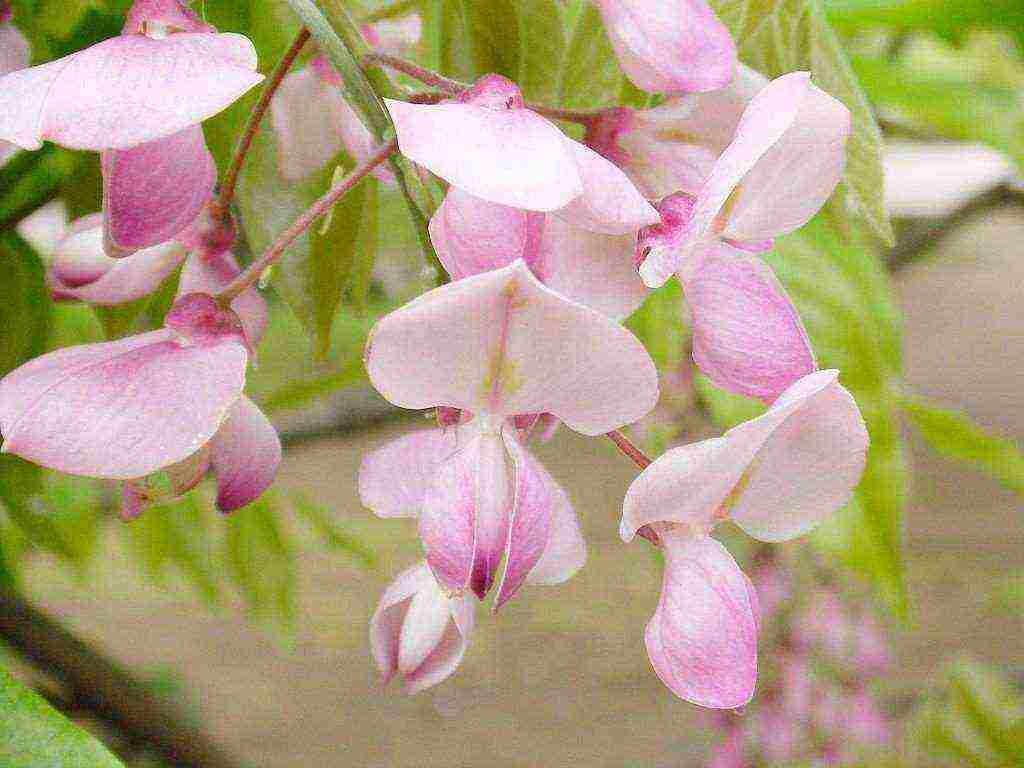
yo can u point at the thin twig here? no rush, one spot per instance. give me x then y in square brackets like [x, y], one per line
[252, 273]
[629, 449]
[227, 188]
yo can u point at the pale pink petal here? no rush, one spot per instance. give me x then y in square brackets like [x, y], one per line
[126, 90]
[610, 203]
[155, 190]
[209, 273]
[77, 255]
[124, 280]
[133, 502]
[534, 498]
[386, 624]
[395, 36]
[670, 46]
[245, 454]
[566, 551]
[669, 246]
[189, 472]
[500, 342]
[15, 54]
[119, 410]
[747, 335]
[594, 269]
[423, 628]
[305, 114]
[447, 654]
[45, 227]
[395, 478]
[509, 156]
[702, 640]
[173, 15]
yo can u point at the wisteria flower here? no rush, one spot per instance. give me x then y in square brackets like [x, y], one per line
[418, 631]
[487, 143]
[670, 46]
[785, 160]
[776, 477]
[498, 345]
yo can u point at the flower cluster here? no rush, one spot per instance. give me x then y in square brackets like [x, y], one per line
[549, 244]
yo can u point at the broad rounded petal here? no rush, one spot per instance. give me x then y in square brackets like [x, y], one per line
[173, 14]
[670, 46]
[594, 269]
[426, 620]
[610, 202]
[702, 640]
[118, 410]
[793, 179]
[155, 190]
[446, 656]
[509, 156]
[747, 335]
[500, 342]
[244, 454]
[305, 113]
[813, 451]
[534, 498]
[395, 478]
[126, 90]
[386, 624]
[210, 272]
[472, 235]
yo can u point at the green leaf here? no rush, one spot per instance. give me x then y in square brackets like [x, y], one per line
[658, 323]
[542, 48]
[21, 493]
[779, 36]
[25, 305]
[956, 436]
[591, 76]
[948, 18]
[34, 735]
[492, 29]
[23, 192]
[333, 535]
[262, 561]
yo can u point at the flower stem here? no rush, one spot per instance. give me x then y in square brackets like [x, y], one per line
[628, 449]
[252, 273]
[227, 188]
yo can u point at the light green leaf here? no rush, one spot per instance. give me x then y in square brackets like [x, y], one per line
[542, 48]
[25, 305]
[330, 532]
[658, 323]
[956, 436]
[21, 494]
[591, 76]
[947, 18]
[34, 735]
[492, 29]
[261, 560]
[779, 36]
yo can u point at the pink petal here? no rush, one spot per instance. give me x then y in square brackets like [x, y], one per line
[512, 157]
[747, 335]
[395, 36]
[209, 273]
[447, 654]
[126, 91]
[670, 46]
[133, 502]
[175, 15]
[702, 640]
[245, 455]
[566, 550]
[423, 628]
[155, 190]
[395, 478]
[670, 246]
[15, 54]
[610, 203]
[77, 255]
[386, 624]
[529, 531]
[502, 343]
[118, 410]
[44, 228]
[305, 114]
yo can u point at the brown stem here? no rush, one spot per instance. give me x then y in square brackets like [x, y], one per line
[412, 69]
[627, 447]
[227, 188]
[97, 684]
[252, 273]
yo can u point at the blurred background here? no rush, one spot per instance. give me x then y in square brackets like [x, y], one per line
[893, 637]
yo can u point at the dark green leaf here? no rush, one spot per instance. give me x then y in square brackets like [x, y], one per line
[542, 48]
[492, 29]
[25, 306]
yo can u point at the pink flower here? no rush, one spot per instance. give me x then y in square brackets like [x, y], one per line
[472, 235]
[784, 162]
[419, 632]
[776, 477]
[670, 46]
[14, 55]
[488, 144]
[496, 345]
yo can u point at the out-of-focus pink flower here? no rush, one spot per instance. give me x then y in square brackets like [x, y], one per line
[784, 162]
[472, 235]
[730, 751]
[773, 588]
[419, 632]
[779, 736]
[670, 46]
[394, 36]
[487, 143]
[498, 345]
[776, 476]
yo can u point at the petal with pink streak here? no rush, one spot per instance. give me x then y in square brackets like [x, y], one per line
[386, 624]
[530, 524]
[395, 478]
[155, 190]
[509, 156]
[126, 90]
[502, 343]
[747, 335]
[594, 269]
[117, 410]
[244, 455]
[172, 14]
[209, 273]
[702, 640]
[610, 203]
[133, 502]
[670, 46]
[15, 54]
[305, 114]
[446, 656]
[566, 551]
